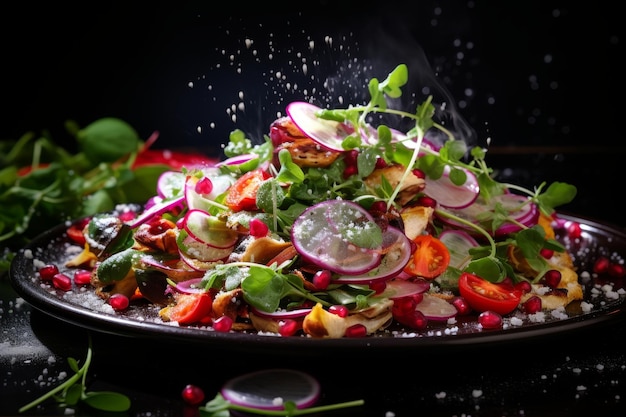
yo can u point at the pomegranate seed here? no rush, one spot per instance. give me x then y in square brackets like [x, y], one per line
[204, 186]
[62, 282]
[546, 253]
[532, 305]
[350, 157]
[288, 327]
[552, 278]
[321, 279]
[47, 272]
[127, 216]
[82, 277]
[601, 265]
[379, 206]
[419, 173]
[490, 320]
[341, 311]
[403, 306]
[427, 201]
[574, 231]
[119, 302]
[523, 286]
[223, 324]
[414, 319]
[192, 395]
[378, 286]
[507, 283]
[617, 270]
[258, 228]
[349, 171]
[381, 163]
[356, 330]
[461, 305]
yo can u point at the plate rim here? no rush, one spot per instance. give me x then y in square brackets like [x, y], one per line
[93, 320]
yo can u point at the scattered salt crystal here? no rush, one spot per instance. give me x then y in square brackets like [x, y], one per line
[277, 401]
[577, 371]
[477, 393]
[581, 388]
[441, 395]
[390, 414]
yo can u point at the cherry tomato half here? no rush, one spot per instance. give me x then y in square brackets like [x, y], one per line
[191, 308]
[483, 295]
[430, 259]
[242, 194]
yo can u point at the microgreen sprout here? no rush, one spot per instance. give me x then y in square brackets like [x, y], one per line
[74, 390]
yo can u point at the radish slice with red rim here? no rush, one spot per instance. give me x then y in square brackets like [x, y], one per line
[328, 133]
[435, 308]
[519, 207]
[450, 195]
[271, 389]
[458, 243]
[320, 234]
[209, 229]
[196, 200]
[398, 288]
[393, 261]
[170, 184]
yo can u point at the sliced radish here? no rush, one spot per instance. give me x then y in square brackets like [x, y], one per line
[458, 243]
[157, 209]
[198, 265]
[193, 250]
[209, 229]
[450, 195]
[170, 268]
[328, 133]
[519, 208]
[395, 259]
[170, 184]
[435, 308]
[327, 247]
[200, 201]
[271, 389]
[282, 314]
[398, 288]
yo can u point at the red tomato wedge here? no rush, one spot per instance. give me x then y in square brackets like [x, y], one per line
[191, 308]
[430, 259]
[483, 295]
[242, 194]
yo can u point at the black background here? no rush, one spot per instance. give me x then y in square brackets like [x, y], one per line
[540, 81]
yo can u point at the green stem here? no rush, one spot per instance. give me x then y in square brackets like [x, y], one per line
[298, 412]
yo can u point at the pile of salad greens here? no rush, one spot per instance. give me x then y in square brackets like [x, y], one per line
[42, 184]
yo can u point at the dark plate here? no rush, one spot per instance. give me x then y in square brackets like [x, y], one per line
[83, 308]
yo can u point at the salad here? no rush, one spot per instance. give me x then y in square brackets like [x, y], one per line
[333, 227]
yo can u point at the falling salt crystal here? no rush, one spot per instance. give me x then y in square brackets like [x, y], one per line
[477, 393]
[190, 84]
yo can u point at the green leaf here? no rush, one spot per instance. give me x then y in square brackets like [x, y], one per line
[108, 139]
[73, 394]
[263, 288]
[107, 401]
[557, 194]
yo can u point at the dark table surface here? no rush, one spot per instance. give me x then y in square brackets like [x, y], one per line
[535, 78]
[575, 374]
